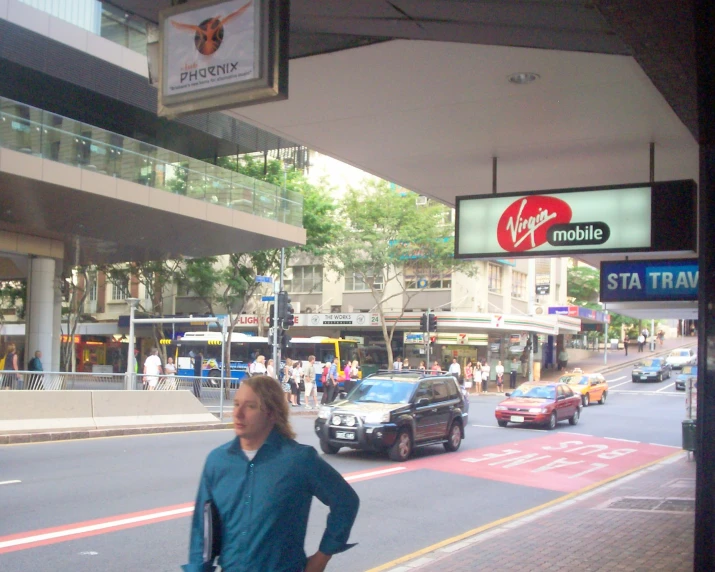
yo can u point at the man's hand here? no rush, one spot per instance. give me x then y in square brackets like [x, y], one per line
[317, 562]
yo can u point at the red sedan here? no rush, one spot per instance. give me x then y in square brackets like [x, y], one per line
[541, 404]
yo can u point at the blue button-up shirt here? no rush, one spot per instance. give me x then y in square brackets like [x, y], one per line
[263, 506]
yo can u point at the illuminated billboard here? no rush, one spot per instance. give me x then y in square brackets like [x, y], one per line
[623, 218]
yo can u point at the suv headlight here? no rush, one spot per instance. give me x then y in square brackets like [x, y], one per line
[324, 412]
[377, 417]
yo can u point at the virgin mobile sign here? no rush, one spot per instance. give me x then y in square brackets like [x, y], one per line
[624, 218]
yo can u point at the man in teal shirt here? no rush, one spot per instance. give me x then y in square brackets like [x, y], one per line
[261, 485]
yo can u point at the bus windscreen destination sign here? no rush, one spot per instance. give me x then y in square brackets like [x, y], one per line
[649, 280]
[622, 218]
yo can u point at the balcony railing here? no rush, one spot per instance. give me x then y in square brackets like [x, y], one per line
[43, 134]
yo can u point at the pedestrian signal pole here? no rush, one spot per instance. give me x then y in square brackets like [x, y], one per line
[428, 340]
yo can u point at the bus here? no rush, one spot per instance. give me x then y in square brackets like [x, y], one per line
[245, 348]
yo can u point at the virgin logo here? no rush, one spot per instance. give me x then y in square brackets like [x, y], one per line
[525, 222]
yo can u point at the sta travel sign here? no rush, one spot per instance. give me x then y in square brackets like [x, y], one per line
[649, 280]
[623, 218]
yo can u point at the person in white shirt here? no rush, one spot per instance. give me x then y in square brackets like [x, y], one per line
[152, 369]
[499, 370]
[455, 369]
[397, 364]
[486, 368]
[258, 367]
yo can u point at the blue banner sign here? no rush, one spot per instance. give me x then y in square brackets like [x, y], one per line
[649, 280]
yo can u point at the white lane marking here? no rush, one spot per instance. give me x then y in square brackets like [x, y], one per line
[664, 388]
[93, 527]
[374, 473]
[617, 378]
[618, 439]
[610, 387]
[9, 482]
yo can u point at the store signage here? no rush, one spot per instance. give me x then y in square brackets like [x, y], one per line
[594, 219]
[220, 54]
[352, 319]
[649, 280]
[414, 338]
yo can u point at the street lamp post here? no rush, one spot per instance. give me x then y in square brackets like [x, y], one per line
[129, 383]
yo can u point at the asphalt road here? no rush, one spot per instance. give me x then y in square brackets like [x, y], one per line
[404, 507]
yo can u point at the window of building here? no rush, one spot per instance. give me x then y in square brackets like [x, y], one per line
[305, 279]
[518, 285]
[92, 294]
[422, 278]
[494, 272]
[361, 282]
[120, 290]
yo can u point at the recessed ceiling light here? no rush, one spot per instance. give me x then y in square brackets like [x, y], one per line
[522, 78]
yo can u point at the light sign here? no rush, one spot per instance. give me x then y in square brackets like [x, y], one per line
[221, 54]
[596, 219]
[649, 280]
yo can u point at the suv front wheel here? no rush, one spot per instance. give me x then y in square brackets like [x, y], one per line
[402, 448]
[328, 449]
[454, 438]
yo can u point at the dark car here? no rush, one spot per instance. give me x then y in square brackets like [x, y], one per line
[541, 404]
[395, 412]
[653, 369]
[681, 380]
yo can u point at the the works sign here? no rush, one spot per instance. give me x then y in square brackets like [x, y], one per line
[623, 218]
[649, 280]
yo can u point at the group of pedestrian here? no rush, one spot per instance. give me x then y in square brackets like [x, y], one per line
[11, 379]
[154, 372]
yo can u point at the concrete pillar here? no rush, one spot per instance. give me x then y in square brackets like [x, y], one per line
[40, 332]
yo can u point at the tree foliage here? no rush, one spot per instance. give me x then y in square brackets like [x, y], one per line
[384, 231]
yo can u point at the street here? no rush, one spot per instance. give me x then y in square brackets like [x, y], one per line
[123, 503]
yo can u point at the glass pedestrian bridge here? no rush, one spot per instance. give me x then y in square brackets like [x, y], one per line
[43, 134]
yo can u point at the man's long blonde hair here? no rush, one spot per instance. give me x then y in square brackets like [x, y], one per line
[273, 401]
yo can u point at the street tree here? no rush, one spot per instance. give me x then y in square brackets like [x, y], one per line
[386, 240]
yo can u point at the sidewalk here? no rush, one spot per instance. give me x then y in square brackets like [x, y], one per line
[641, 522]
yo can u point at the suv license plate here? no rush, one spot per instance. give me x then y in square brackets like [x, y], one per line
[349, 435]
[517, 419]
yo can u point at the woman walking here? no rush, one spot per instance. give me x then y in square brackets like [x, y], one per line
[477, 371]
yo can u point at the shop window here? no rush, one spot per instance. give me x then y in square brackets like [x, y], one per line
[494, 273]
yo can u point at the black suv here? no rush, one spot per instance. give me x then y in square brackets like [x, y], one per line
[395, 411]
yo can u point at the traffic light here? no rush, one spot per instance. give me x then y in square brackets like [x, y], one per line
[423, 323]
[290, 316]
[283, 339]
[432, 322]
[271, 311]
[282, 302]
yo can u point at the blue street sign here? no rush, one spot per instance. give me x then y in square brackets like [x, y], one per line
[266, 279]
[267, 298]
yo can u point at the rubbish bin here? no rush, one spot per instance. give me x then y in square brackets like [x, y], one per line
[689, 435]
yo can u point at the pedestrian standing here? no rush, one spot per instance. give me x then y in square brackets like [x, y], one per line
[10, 380]
[259, 366]
[625, 344]
[296, 378]
[423, 366]
[397, 364]
[170, 372]
[455, 369]
[198, 367]
[436, 368]
[563, 359]
[499, 370]
[486, 369]
[260, 486]
[333, 380]
[270, 369]
[513, 371]
[641, 342]
[309, 377]
[468, 375]
[35, 382]
[285, 379]
[477, 373]
[152, 369]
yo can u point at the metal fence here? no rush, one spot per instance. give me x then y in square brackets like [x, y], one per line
[206, 389]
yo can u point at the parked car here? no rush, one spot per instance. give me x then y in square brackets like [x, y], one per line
[395, 412]
[681, 380]
[680, 358]
[542, 404]
[590, 386]
[654, 369]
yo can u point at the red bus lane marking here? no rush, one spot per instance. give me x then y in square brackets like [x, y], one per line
[559, 462]
[43, 537]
